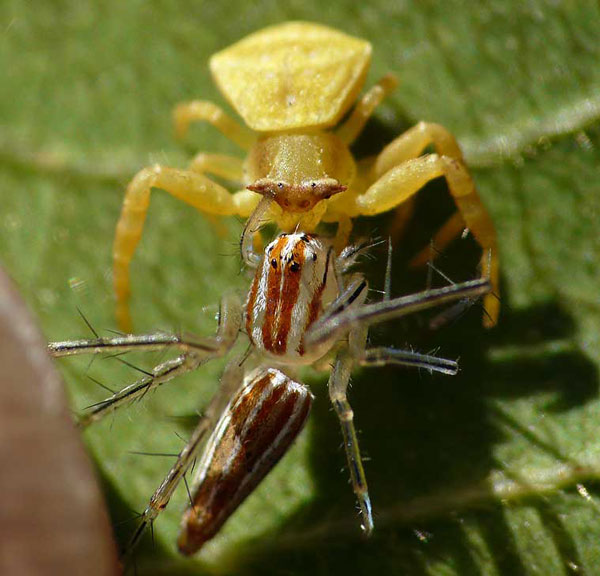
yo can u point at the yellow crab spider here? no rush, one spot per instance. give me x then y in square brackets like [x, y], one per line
[294, 85]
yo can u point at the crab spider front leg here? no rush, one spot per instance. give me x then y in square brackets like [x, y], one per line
[204, 111]
[193, 188]
[229, 167]
[353, 126]
[399, 173]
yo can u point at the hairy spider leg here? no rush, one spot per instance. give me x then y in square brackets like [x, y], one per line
[194, 353]
[349, 313]
[230, 381]
[399, 172]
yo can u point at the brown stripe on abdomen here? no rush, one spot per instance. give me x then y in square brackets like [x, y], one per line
[262, 421]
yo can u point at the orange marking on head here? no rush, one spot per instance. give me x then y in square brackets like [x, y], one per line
[272, 296]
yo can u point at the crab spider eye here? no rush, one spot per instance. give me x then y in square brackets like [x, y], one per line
[294, 266]
[274, 263]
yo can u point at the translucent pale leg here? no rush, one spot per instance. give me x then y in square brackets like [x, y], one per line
[343, 317]
[355, 317]
[194, 189]
[202, 111]
[338, 394]
[351, 296]
[338, 388]
[353, 126]
[194, 352]
[401, 181]
[230, 381]
[376, 357]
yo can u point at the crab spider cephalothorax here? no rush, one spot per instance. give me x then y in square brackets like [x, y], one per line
[293, 84]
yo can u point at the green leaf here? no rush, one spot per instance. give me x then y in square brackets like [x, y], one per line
[492, 472]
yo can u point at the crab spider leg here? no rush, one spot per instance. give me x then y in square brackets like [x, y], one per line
[472, 212]
[402, 181]
[342, 234]
[353, 126]
[230, 381]
[203, 111]
[412, 143]
[228, 167]
[194, 189]
[452, 228]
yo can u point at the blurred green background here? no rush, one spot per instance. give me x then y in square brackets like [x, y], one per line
[494, 471]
